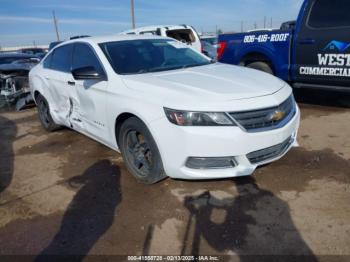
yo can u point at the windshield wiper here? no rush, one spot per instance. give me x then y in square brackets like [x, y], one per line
[159, 69]
[142, 71]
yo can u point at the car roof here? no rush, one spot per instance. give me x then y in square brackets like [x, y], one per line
[111, 38]
[155, 27]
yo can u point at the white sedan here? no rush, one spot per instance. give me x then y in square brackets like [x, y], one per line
[168, 109]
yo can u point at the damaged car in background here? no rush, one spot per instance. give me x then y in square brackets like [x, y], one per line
[14, 87]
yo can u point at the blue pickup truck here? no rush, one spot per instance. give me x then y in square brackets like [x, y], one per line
[313, 51]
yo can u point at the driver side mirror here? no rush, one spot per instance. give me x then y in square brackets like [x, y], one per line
[87, 73]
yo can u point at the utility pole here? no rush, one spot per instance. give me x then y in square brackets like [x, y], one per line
[264, 22]
[56, 26]
[133, 14]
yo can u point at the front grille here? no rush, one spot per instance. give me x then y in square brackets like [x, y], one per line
[266, 119]
[270, 152]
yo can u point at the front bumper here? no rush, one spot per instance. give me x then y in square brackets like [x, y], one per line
[176, 144]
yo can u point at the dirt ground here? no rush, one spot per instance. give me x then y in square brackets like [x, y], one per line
[63, 193]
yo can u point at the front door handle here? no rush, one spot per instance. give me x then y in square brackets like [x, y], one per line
[307, 41]
[71, 83]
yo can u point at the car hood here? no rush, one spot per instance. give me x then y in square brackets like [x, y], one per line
[214, 82]
[13, 67]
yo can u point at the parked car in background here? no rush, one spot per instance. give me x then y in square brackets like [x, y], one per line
[213, 40]
[167, 108]
[209, 46]
[34, 51]
[289, 25]
[53, 44]
[37, 51]
[313, 52]
[183, 33]
[209, 50]
[13, 57]
[14, 86]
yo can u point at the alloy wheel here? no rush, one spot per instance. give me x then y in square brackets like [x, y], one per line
[138, 152]
[44, 112]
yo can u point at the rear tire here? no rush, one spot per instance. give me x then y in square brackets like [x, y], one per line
[261, 66]
[140, 152]
[44, 115]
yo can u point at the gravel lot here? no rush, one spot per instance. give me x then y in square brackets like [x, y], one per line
[63, 193]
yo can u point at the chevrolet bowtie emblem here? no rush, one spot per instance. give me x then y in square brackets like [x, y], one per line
[276, 115]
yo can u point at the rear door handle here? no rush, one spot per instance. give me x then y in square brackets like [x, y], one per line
[71, 83]
[307, 41]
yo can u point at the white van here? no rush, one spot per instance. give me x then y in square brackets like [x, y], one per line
[184, 33]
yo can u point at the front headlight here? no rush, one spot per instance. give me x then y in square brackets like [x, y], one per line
[187, 118]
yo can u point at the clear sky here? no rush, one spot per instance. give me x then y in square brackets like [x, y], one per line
[23, 21]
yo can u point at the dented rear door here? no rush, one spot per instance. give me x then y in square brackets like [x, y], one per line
[58, 79]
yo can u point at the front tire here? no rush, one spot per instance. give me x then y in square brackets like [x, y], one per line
[44, 114]
[140, 152]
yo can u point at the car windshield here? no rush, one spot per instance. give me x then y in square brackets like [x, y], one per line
[150, 55]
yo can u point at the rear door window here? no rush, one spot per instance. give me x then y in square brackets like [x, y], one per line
[329, 14]
[62, 58]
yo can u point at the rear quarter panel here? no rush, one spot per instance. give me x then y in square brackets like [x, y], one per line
[38, 81]
[274, 45]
